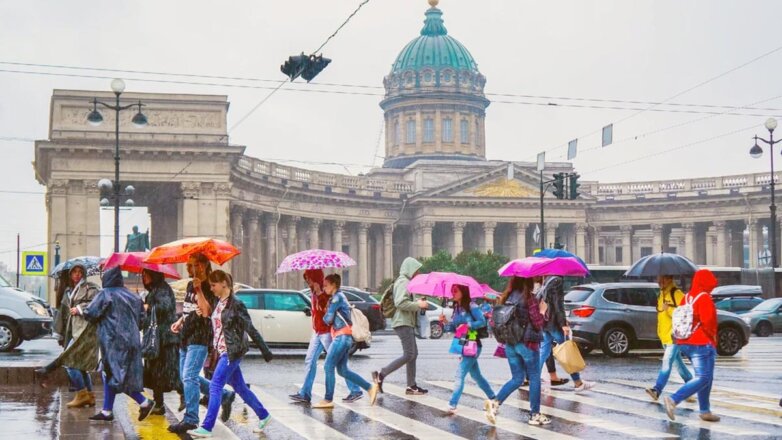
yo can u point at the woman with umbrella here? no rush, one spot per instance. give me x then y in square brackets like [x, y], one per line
[161, 370]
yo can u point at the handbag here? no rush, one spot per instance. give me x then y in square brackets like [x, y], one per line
[212, 356]
[150, 342]
[470, 349]
[500, 351]
[569, 356]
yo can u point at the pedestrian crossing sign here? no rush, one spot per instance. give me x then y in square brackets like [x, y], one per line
[34, 264]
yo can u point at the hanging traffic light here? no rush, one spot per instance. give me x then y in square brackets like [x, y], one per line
[574, 186]
[316, 64]
[306, 66]
[559, 185]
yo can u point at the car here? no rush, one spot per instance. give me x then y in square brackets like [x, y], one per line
[618, 317]
[433, 312]
[23, 317]
[284, 317]
[365, 302]
[738, 305]
[736, 290]
[765, 318]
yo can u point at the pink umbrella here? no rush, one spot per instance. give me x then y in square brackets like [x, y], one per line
[537, 266]
[489, 293]
[134, 262]
[439, 284]
[315, 259]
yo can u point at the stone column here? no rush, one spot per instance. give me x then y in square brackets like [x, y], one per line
[92, 218]
[581, 240]
[657, 238]
[363, 261]
[388, 251]
[488, 234]
[458, 238]
[688, 229]
[627, 244]
[254, 267]
[188, 214]
[752, 229]
[551, 235]
[271, 250]
[595, 245]
[336, 235]
[237, 264]
[292, 247]
[521, 240]
[314, 240]
[722, 243]
[426, 238]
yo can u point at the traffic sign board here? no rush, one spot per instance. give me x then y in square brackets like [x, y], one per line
[34, 264]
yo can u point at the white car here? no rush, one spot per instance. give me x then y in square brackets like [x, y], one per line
[433, 312]
[284, 317]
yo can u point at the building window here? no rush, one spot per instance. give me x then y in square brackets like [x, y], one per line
[447, 130]
[619, 256]
[410, 132]
[601, 254]
[397, 132]
[464, 131]
[428, 130]
[477, 133]
[646, 251]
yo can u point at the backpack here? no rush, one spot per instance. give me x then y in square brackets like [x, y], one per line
[387, 305]
[359, 325]
[683, 319]
[508, 325]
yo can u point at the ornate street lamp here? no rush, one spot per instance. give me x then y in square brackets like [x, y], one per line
[756, 151]
[106, 185]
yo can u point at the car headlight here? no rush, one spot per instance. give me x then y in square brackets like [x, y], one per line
[38, 309]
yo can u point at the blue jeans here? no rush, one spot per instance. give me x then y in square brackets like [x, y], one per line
[228, 372]
[79, 379]
[470, 365]
[523, 361]
[318, 343]
[109, 395]
[549, 337]
[702, 358]
[672, 356]
[191, 361]
[337, 358]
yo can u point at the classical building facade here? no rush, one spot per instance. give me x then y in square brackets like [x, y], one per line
[436, 190]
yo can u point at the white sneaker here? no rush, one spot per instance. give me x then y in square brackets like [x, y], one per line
[585, 386]
[490, 408]
[539, 419]
[451, 411]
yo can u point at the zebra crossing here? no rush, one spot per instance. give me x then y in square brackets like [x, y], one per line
[615, 409]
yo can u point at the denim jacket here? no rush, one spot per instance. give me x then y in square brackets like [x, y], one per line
[338, 312]
[474, 318]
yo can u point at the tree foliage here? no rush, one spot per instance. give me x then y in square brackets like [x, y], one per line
[479, 265]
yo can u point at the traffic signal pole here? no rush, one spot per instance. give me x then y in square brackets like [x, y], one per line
[560, 192]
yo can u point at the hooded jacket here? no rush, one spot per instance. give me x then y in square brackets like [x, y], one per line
[406, 308]
[68, 326]
[704, 313]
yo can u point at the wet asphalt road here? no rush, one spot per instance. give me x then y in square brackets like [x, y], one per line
[618, 408]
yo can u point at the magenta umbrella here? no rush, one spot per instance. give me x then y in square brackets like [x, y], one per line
[134, 262]
[439, 284]
[537, 266]
[315, 259]
[489, 293]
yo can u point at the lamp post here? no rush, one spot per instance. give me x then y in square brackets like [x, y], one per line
[756, 151]
[95, 119]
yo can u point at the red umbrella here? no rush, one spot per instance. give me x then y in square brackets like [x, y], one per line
[134, 262]
[217, 251]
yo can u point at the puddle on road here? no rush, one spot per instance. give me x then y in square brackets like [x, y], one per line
[29, 411]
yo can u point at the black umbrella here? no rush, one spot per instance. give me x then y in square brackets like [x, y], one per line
[661, 264]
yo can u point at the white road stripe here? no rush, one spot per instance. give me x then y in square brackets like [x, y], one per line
[220, 430]
[294, 419]
[391, 419]
[616, 405]
[477, 415]
[596, 422]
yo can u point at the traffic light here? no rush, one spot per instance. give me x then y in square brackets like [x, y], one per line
[316, 64]
[306, 66]
[559, 185]
[574, 186]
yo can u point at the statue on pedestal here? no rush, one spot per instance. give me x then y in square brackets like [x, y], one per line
[137, 242]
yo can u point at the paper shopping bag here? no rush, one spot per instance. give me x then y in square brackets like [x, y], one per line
[569, 357]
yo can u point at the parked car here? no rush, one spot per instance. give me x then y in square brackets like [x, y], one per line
[23, 317]
[284, 317]
[765, 318]
[738, 305]
[620, 316]
[365, 302]
[433, 312]
[736, 290]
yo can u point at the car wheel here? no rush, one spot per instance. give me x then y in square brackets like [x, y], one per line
[585, 349]
[8, 335]
[616, 342]
[728, 341]
[436, 330]
[764, 329]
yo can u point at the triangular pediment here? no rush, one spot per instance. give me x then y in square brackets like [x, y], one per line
[495, 183]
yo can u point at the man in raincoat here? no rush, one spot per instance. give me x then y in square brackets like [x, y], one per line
[118, 314]
[404, 322]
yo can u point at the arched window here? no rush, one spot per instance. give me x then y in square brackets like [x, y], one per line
[410, 132]
[447, 130]
[428, 130]
[397, 132]
[464, 131]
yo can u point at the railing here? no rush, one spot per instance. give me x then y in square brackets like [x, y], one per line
[673, 186]
[326, 179]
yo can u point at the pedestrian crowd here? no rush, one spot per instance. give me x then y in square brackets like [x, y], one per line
[201, 351]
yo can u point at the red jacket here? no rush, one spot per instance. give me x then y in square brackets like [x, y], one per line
[320, 304]
[704, 312]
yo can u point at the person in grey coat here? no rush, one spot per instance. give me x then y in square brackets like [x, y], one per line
[119, 314]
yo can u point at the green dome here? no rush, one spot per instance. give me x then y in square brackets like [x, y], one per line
[434, 49]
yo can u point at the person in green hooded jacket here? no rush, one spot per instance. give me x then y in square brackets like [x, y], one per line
[404, 322]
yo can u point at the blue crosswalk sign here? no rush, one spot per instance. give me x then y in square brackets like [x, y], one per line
[34, 264]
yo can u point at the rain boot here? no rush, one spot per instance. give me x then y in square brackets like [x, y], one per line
[91, 400]
[81, 400]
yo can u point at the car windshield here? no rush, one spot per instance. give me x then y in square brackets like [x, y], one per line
[767, 306]
[4, 282]
[578, 295]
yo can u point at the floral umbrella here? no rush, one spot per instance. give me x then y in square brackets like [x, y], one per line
[217, 251]
[315, 259]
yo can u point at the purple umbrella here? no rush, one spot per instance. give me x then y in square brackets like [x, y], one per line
[315, 259]
[439, 284]
[536, 266]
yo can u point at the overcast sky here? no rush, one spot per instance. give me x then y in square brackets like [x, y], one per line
[645, 51]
